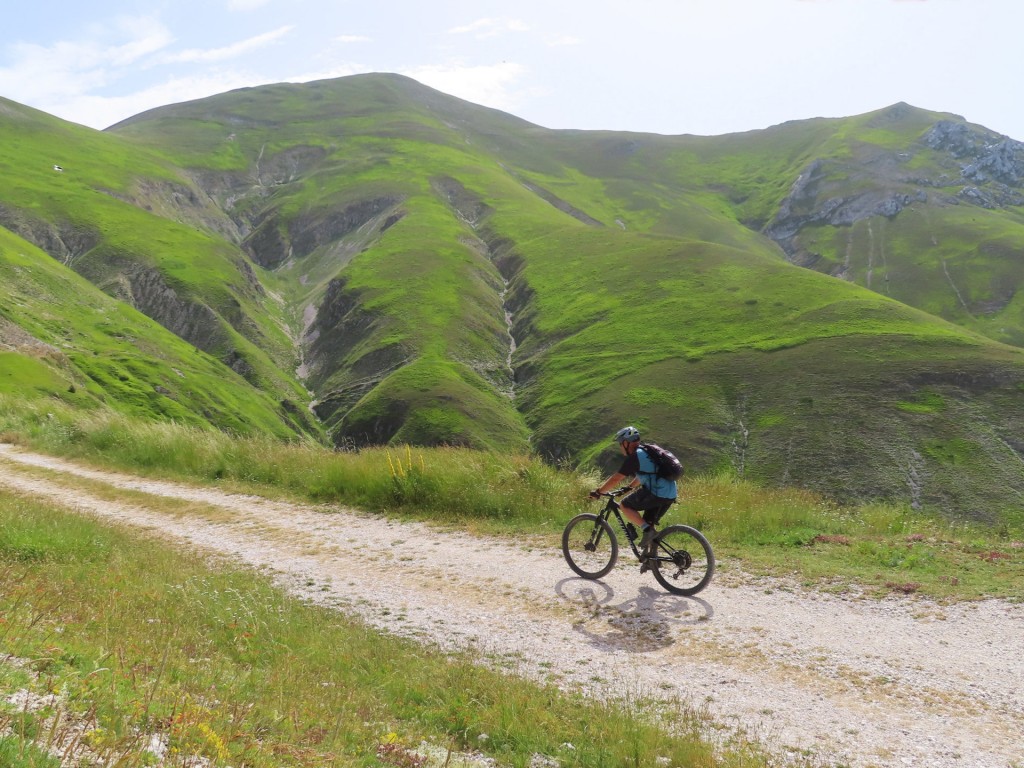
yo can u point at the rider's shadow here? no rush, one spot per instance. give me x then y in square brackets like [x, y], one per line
[639, 625]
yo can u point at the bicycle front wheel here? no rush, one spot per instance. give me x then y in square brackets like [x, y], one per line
[590, 546]
[683, 562]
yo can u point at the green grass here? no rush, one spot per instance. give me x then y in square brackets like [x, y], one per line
[490, 490]
[143, 642]
[781, 531]
[957, 264]
[874, 549]
[79, 346]
[118, 209]
[29, 377]
[18, 752]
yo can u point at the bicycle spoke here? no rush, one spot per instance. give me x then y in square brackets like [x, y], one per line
[684, 562]
[589, 546]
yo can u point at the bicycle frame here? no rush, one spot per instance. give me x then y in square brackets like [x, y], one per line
[613, 508]
[667, 553]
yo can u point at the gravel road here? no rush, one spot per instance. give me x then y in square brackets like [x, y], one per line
[846, 680]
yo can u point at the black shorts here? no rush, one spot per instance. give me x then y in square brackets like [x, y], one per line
[653, 507]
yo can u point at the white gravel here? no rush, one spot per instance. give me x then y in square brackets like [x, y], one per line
[846, 681]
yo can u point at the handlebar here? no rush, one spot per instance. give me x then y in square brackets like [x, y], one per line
[616, 493]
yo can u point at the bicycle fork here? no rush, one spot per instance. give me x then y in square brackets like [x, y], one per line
[595, 536]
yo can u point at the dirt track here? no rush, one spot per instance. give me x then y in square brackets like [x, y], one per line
[850, 681]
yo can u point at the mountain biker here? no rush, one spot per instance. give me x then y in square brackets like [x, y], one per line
[655, 494]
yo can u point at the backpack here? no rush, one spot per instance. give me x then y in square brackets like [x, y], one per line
[668, 466]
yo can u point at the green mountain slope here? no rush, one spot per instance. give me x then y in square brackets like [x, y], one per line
[455, 275]
[146, 234]
[919, 206]
[339, 188]
[63, 339]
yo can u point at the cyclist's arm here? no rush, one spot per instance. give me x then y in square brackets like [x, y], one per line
[610, 483]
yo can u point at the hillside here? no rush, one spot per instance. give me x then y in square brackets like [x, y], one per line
[140, 230]
[455, 275]
[61, 338]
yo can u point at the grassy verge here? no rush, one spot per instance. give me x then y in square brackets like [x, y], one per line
[123, 651]
[872, 549]
[489, 491]
[878, 548]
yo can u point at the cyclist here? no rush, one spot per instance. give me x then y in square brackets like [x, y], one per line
[655, 494]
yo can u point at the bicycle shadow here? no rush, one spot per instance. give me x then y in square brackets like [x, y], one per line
[641, 624]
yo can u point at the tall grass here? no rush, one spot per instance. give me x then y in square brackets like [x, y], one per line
[769, 530]
[152, 656]
[447, 484]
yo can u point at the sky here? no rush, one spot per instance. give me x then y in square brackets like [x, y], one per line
[664, 66]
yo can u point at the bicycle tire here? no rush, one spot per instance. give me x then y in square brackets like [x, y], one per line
[589, 546]
[684, 561]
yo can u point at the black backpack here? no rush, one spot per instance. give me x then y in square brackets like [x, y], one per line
[668, 466]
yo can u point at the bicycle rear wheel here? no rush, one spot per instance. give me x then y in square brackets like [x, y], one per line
[590, 546]
[683, 562]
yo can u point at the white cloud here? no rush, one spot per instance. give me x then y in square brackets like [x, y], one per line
[353, 39]
[66, 68]
[484, 28]
[490, 85]
[103, 111]
[229, 51]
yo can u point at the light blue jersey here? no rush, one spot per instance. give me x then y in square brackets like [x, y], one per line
[648, 475]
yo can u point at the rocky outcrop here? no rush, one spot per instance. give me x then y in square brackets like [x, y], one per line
[184, 203]
[196, 323]
[803, 206]
[1003, 162]
[467, 206]
[274, 241]
[560, 204]
[994, 163]
[65, 242]
[989, 155]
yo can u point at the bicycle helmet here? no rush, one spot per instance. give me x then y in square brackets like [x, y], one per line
[628, 435]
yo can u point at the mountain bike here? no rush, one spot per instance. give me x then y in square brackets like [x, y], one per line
[681, 558]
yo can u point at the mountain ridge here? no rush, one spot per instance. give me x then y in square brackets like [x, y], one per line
[433, 257]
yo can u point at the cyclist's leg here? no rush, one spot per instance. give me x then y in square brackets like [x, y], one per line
[633, 516]
[636, 504]
[652, 508]
[654, 515]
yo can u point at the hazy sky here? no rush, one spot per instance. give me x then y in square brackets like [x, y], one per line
[667, 66]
